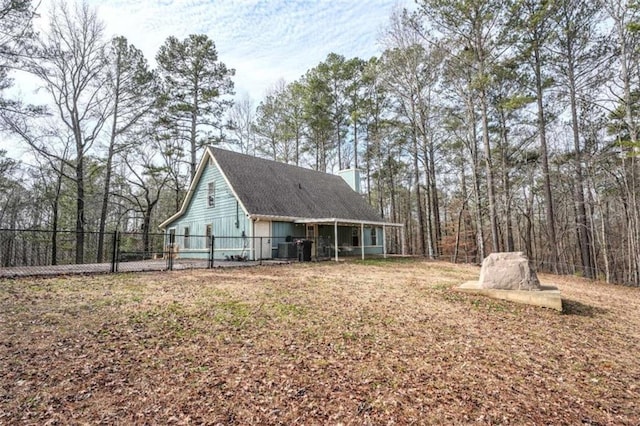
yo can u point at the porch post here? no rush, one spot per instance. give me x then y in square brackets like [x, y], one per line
[253, 240]
[335, 240]
[384, 241]
[362, 239]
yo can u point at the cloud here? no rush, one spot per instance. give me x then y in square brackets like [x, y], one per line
[264, 40]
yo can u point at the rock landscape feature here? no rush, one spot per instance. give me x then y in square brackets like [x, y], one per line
[510, 276]
[508, 271]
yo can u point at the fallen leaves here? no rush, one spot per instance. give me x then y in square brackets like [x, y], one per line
[351, 343]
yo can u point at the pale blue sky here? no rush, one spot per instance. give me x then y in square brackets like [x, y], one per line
[264, 40]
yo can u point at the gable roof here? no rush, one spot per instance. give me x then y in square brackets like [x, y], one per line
[270, 188]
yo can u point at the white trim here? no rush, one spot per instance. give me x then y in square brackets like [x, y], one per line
[208, 157]
[253, 239]
[335, 242]
[384, 241]
[322, 221]
[362, 239]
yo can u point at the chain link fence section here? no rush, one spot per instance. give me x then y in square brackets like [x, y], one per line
[27, 252]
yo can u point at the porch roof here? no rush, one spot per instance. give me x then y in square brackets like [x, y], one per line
[325, 221]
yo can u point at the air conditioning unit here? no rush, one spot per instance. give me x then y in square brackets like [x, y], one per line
[287, 250]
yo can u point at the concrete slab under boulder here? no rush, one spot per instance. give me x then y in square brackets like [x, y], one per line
[509, 276]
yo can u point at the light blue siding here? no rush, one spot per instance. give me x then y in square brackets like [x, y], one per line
[233, 230]
[282, 230]
[226, 217]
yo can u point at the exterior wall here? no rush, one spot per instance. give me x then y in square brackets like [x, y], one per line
[281, 231]
[233, 230]
[352, 177]
[287, 229]
[226, 217]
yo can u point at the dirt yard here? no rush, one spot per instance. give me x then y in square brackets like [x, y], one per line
[375, 342]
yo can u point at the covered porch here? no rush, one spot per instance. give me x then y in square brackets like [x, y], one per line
[335, 238]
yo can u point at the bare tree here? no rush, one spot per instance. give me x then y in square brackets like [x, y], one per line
[241, 124]
[133, 92]
[71, 63]
[16, 17]
[475, 27]
[533, 26]
[578, 64]
[146, 180]
[625, 16]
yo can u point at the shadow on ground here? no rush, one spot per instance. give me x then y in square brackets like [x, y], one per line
[573, 307]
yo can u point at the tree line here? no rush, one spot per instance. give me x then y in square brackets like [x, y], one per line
[482, 126]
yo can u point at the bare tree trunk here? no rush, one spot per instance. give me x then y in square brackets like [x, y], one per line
[428, 218]
[491, 189]
[355, 140]
[416, 172]
[394, 202]
[80, 220]
[475, 182]
[108, 171]
[604, 241]
[582, 227]
[435, 208]
[509, 244]
[542, 132]
[621, 14]
[194, 132]
[55, 211]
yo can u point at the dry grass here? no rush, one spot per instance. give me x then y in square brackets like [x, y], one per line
[381, 342]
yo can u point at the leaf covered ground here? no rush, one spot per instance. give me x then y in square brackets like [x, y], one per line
[375, 342]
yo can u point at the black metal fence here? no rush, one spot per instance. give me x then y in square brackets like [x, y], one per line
[41, 252]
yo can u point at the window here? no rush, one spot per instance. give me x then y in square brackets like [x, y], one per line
[208, 232]
[355, 237]
[374, 237]
[311, 232]
[186, 237]
[211, 194]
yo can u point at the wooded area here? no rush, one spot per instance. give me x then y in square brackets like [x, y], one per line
[483, 126]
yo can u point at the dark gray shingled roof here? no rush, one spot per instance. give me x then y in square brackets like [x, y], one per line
[270, 188]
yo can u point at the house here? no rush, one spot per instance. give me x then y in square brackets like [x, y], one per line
[257, 209]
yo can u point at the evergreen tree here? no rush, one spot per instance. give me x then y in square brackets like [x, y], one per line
[196, 84]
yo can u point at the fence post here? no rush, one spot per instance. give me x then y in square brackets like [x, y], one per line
[211, 251]
[114, 251]
[170, 253]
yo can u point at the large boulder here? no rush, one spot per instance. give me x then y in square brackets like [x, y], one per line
[508, 271]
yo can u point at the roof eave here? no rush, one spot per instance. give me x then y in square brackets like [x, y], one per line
[303, 220]
[348, 221]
